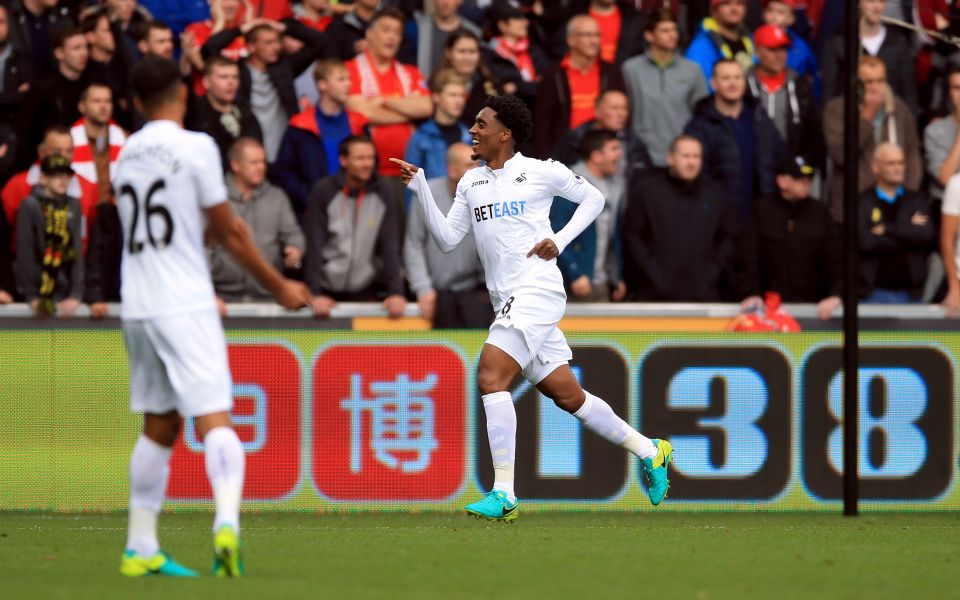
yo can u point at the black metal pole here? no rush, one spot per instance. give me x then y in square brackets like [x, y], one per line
[851, 123]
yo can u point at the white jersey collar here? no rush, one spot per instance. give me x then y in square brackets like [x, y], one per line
[515, 159]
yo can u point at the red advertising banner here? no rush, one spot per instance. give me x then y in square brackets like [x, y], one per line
[389, 422]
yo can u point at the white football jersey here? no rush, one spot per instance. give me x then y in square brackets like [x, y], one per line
[166, 176]
[509, 210]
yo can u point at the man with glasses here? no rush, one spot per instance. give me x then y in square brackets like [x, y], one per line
[568, 92]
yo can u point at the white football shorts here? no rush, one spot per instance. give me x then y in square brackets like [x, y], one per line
[526, 329]
[179, 363]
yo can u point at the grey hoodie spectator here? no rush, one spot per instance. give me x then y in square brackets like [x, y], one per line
[450, 288]
[266, 209]
[663, 87]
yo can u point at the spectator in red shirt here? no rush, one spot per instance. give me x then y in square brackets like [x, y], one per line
[391, 95]
[568, 97]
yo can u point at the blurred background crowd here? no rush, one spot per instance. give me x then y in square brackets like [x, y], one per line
[713, 128]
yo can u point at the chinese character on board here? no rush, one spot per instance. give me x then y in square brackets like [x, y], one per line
[401, 415]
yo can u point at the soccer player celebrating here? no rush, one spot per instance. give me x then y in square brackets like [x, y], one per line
[507, 202]
[168, 179]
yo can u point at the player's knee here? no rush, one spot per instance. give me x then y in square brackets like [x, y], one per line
[569, 401]
[489, 381]
[162, 429]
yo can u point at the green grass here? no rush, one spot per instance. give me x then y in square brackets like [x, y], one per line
[578, 555]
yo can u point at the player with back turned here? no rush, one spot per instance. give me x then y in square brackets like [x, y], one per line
[168, 182]
[507, 203]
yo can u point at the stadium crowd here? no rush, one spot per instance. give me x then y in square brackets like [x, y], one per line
[713, 128]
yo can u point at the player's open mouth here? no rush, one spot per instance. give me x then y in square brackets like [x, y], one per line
[476, 142]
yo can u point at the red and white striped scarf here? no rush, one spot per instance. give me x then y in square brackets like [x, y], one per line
[83, 163]
[369, 85]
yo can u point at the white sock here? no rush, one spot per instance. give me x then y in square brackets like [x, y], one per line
[225, 462]
[597, 416]
[149, 471]
[502, 435]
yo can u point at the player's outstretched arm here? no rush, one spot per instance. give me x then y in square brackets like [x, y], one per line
[234, 234]
[447, 230]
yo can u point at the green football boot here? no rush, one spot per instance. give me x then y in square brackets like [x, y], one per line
[655, 471]
[161, 563]
[226, 553]
[495, 506]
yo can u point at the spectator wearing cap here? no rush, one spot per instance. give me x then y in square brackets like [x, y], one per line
[896, 233]
[49, 265]
[790, 245]
[800, 58]
[741, 145]
[678, 231]
[786, 97]
[722, 35]
[941, 139]
[884, 117]
[890, 44]
[568, 92]
[516, 63]
[663, 87]
[591, 263]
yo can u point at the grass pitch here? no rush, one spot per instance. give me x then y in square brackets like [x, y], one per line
[578, 555]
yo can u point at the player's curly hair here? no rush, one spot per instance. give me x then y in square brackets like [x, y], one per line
[515, 116]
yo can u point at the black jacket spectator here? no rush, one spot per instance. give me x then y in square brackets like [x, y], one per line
[204, 117]
[347, 262]
[721, 151]
[17, 71]
[551, 115]
[285, 70]
[678, 239]
[505, 71]
[804, 131]
[345, 31]
[33, 35]
[104, 249]
[897, 52]
[51, 101]
[897, 259]
[792, 248]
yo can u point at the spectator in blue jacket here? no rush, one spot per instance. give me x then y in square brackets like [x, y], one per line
[723, 35]
[310, 147]
[429, 143]
[800, 58]
[591, 264]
